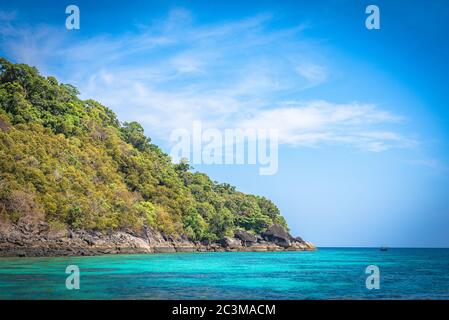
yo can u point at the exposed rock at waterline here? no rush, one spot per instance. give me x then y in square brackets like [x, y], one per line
[39, 240]
[278, 235]
[247, 238]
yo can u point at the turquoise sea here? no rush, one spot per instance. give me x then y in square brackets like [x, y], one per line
[323, 274]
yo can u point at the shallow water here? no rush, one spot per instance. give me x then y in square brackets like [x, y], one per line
[323, 274]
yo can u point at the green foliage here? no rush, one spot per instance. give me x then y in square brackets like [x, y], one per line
[133, 133]
[183, 166]
[71, 163]
[146, 209]
[194, 225]
[222, 223]
[256, 222]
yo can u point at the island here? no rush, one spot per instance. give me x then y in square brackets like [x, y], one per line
[74, 180]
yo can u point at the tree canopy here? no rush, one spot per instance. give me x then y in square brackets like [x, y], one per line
[71, 163]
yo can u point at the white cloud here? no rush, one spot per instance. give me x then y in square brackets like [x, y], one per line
[233, 74]
[313, 73]
[315, 122]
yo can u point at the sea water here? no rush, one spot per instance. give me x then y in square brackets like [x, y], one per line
[328, 273]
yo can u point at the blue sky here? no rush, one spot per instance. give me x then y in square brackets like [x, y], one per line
[362, 114]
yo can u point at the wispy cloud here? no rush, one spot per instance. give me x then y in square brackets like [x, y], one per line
[314, 73]
[315, 122]
[233, 74]
[7, 16]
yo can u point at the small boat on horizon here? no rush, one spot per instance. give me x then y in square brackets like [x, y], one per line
[383, 249]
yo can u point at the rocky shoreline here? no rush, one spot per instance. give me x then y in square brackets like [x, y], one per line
[32, 241]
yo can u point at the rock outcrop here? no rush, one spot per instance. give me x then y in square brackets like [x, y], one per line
[39, 240]
[248, 239]
[232, 243]
[278, 235]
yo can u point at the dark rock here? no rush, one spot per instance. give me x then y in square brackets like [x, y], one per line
[206, 243]
[246, 237]
[43, 227]
[17, 240]
[89, 242]
[229, 242]
[276, 230]
[278, 235]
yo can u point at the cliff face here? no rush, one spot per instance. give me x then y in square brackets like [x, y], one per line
[38, 240]
[74, 180]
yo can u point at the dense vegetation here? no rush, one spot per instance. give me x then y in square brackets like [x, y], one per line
[72, 163]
